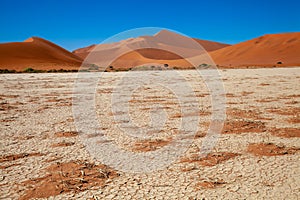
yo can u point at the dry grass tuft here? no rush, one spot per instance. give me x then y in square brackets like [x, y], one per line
[150, 145]
[75, 176]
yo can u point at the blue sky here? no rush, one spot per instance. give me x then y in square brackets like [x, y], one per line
[73, 24]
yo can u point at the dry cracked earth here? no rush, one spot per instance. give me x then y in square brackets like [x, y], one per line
[256, 155]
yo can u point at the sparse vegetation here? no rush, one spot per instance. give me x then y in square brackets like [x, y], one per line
[29, 70]
[93, 67]
[83, 70]
[203, 65]
[6, 71]
[32, 70]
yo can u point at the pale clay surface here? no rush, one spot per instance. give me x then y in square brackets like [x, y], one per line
[35, 113]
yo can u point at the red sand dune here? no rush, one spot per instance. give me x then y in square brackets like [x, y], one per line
[36, 53]
[83, 52]
[265, 51]
[134, 58]
[162, 38]
[210, 45]
[165, 47]
[268, 50]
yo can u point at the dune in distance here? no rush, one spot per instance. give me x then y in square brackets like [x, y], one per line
[160, 39]
[36, 53]
[268, 50]
[165, 48]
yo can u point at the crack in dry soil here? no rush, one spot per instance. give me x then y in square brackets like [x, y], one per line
[211, 159]
[209, 184]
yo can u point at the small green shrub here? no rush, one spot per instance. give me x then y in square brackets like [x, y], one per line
[29, 70]
[5, 71]
[203, 65]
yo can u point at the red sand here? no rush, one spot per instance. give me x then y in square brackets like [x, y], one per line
[154, 54]
[267, 50]
[274, 50]
[36, 53]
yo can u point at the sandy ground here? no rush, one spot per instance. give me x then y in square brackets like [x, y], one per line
[256, 156]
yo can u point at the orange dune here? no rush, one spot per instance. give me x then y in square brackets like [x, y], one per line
[210, 45]
[83, 52]
[134, 58]
[163, 39]
[268, 50]
[36, 53]
[164, 47]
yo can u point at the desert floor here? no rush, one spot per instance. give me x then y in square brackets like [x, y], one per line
[256, 156]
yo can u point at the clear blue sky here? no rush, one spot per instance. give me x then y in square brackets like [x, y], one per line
[74, 24]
